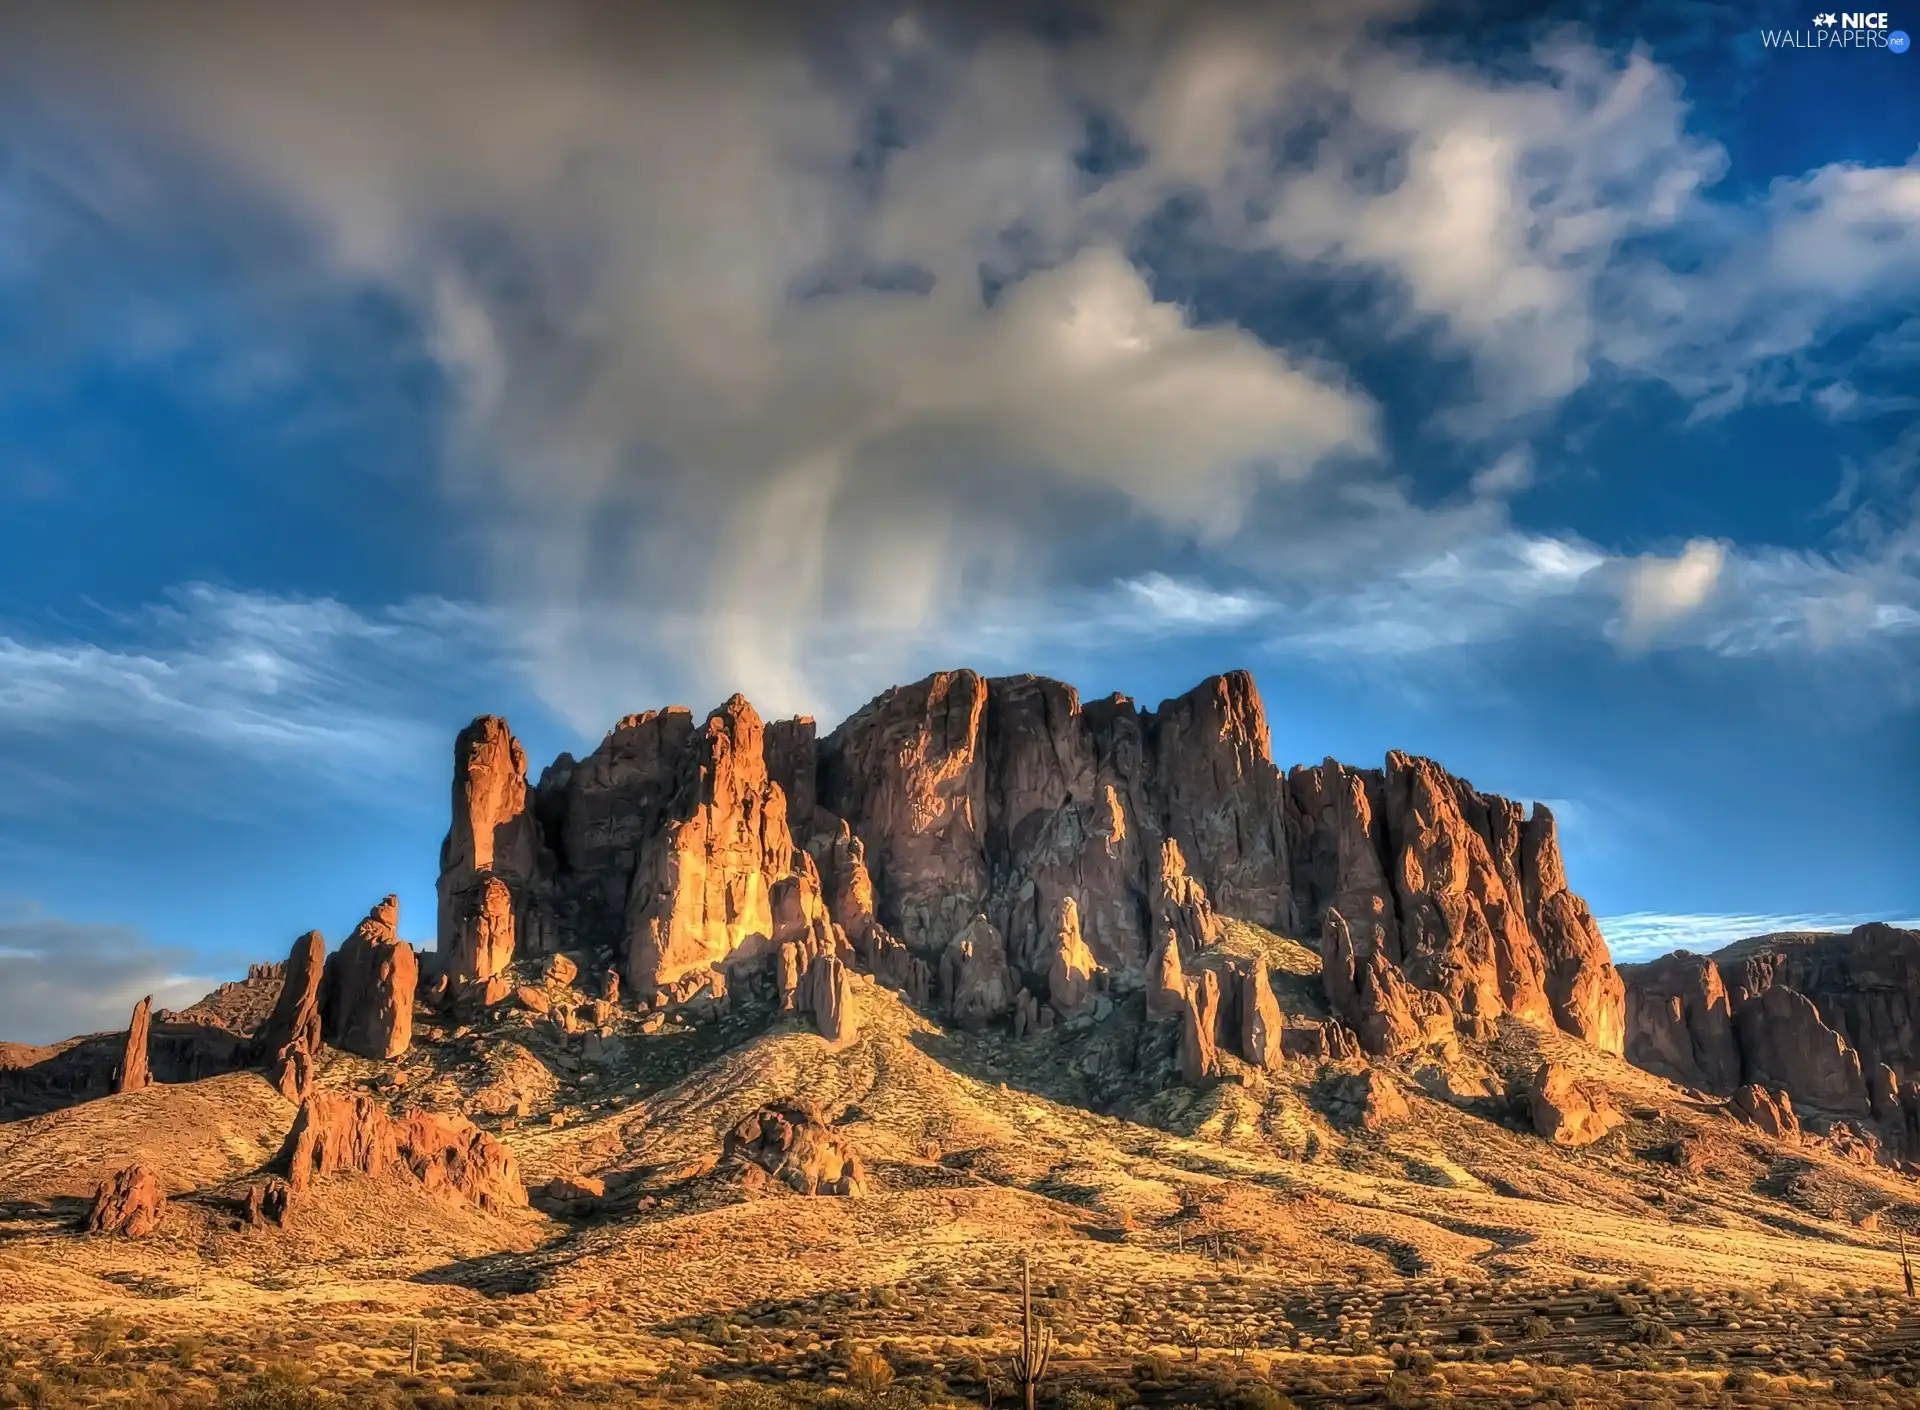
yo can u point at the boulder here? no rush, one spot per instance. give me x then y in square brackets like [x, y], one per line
[134, 1072]
[1569, 1112]
[289, 1041]
[1369, 1099]
[1770, 1111]
[367, 989]
[532, 998]
[131, 1202]
[334, 1132]
[791, 1144]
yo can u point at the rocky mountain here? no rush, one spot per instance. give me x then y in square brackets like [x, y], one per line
[729, 1018]
[1827, 1022]
[1010, 855]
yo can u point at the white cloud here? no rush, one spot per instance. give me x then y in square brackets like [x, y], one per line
[309, 684]
[1172, 602]
[710, 447]
[1659, 590]
[59, 978]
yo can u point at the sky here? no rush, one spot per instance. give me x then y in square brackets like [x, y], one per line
[1529, 388]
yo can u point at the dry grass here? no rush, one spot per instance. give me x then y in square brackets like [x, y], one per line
[1229, 1246]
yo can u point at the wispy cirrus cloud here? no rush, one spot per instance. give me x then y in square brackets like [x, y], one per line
[1643, 935]
[288, 683]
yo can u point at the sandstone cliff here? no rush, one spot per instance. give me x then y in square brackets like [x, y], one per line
[1828, 1020]
[1004, 853]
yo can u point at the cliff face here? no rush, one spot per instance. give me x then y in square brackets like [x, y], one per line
[1000, 849]
[1828, 1019]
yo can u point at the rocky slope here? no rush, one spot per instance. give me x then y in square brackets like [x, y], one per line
[1012, 861]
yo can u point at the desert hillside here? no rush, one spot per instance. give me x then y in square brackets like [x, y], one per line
[754, 1067]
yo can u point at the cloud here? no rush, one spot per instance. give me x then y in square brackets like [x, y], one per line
[1766, 284]
[1644, 935]
[293, 684]
[1658, 590]
[785, 341]
[59, 977]
[1510, 474]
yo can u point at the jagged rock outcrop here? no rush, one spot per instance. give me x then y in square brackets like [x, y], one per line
[1586, 991]
[1460, 893]
[1786, 1044]
[289, 1041]
[1680, 1023]
[961, 801]
[135, 1071]
[1071, 970]
[336, 1132]
[791, 1143]
[829, 994]
[702, 886]
[1771, 1111]
[269, 1202]
[1200, 1028]
[367, 989]
[977, 983]
[1462, 927]
[1001, 797]
[1803, 1024]
[130, 1202]
[1366, 989]
[448, 1152]
[1262, 1027]
[1223, 800]
[493, 867]
[1567, 1111]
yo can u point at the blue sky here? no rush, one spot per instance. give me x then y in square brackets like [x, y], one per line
[1531, 390]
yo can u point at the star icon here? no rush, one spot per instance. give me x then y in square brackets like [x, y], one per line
[1824, 20]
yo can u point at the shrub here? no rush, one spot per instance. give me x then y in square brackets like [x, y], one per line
[1259, 1397]
[1155, 1368]
[280, 1388]
[869, 1373]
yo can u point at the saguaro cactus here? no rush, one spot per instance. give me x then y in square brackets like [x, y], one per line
[1029, 1365]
